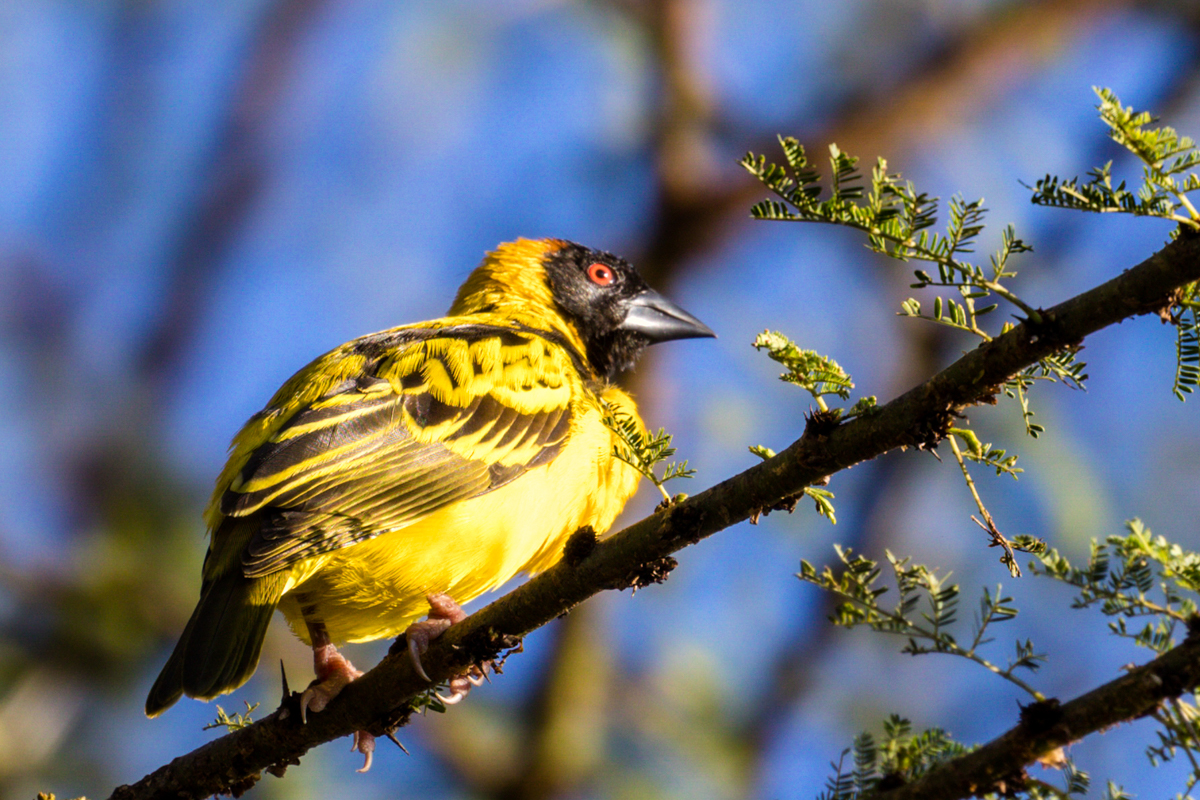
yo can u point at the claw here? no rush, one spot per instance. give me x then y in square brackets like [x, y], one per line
[443, 612]
[460, 687]
[416, 648]
[364, 743]
[304, 700]
[334, 672]
[478, 674]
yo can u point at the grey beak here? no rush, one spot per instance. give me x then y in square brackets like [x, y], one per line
[660, 320]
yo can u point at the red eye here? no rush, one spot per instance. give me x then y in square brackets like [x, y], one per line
[600, 274]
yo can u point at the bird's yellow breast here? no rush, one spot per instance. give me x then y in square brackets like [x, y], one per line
[374, 589]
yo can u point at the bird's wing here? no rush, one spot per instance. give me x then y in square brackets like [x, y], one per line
[425, 424]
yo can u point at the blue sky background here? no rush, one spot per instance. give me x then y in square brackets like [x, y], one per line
[198, 198]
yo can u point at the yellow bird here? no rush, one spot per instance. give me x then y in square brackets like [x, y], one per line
[422, 463]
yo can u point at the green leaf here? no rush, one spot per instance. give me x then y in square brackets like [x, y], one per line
[822, 498]
[645, 451]
[817, 374]
[762, 452]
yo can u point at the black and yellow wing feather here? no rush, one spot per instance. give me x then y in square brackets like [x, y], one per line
[437, 415]
[364, 441]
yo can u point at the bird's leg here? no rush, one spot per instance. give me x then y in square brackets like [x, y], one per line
[334, 671]
[443, 612]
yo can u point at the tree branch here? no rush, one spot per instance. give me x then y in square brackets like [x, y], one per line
[1047, 726]
[641, 553]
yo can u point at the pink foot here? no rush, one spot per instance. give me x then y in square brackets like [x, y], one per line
[334, 672]
[443, 612]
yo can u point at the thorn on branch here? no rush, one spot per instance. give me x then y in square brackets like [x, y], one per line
[391, 735]
[289, 701]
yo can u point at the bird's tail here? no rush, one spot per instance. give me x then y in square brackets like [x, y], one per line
[219, 648]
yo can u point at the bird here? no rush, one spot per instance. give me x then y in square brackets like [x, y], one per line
[416, 468]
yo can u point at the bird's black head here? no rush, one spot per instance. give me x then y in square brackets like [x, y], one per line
[616, 314]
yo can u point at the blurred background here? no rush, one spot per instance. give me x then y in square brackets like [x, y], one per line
[198, 198]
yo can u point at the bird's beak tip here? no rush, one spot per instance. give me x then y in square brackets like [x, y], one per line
[660, 320]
